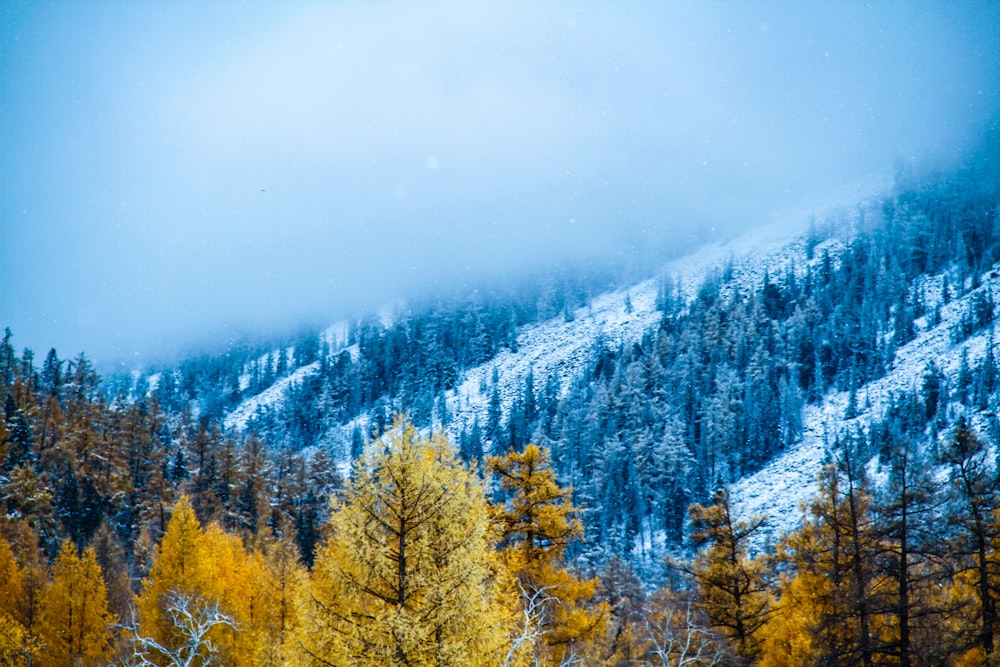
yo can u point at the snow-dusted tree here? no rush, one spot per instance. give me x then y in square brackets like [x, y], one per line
[975, 505]
[409, 575]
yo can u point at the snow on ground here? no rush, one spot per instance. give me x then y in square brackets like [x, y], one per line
[273, 395]
[782, 487]
[623, 316]
[335, 336]
[620, 317]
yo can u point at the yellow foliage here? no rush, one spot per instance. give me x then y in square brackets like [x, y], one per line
[409, 575]
[282, 586]
[13, 637]
[538, 522]
[75, 622]
[732, 588]
[803, 605]
[213, 566]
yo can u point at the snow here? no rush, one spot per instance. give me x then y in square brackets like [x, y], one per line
[335, 336]
[781, 489]
[275, 394]
[561, 348]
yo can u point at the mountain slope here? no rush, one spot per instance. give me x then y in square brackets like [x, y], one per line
[744, 364]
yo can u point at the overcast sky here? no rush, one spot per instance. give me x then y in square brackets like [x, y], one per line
[172, 172]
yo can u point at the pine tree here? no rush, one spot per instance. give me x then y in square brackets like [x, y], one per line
[537, 523]
[75, 623]
[408, 576]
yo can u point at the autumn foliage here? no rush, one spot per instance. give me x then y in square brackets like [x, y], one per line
[426, 561]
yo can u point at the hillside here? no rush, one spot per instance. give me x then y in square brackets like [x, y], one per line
[844, 365]
[743, 363]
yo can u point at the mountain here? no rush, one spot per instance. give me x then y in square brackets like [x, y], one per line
[746, 363]
[634, 450]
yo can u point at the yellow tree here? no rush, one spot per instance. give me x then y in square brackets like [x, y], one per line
[23, 580]
[179, 564]
[12, 633]
[833, 609]
[282, 585]
[408, 576]
[732, 587]
[804, 603]
[537, 523]
[75, 622]
[201, 576]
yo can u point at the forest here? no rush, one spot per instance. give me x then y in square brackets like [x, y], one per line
[136, 529]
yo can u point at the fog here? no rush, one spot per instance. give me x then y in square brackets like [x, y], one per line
[178, 173]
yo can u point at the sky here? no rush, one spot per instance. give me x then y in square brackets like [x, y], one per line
[178, 173]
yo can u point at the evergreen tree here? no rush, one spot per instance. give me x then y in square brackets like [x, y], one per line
[975, 501]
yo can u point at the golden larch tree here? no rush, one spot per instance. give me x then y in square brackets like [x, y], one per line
[537, 523]
[198, 570]
[13, 635]
[408, 575]
[75, 623]
[732, 587]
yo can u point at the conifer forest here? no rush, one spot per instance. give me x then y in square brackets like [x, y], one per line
[499, 333]
[364, 519]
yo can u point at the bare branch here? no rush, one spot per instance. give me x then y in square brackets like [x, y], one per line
[533, 605]
[194, 619]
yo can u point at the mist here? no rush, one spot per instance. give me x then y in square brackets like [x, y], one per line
[178, 173]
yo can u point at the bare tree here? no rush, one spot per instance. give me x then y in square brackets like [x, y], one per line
[194, 619]
[678, 642]
[532, 609]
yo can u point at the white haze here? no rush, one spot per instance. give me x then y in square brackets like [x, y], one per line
[174, 173]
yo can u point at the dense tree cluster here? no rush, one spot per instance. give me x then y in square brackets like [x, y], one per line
[381, 367]
[77, 465]
[419, 567]
[135, 529]
[718, 390]
[714, 393]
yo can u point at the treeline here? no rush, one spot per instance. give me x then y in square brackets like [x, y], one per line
[77, 465]
[411, 360]
[424, 564]
[718, 390]
[713, 394]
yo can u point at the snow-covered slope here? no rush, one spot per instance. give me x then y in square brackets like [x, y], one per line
[619, 317]
[241, 415]
[335, 337]
[561, 349]
[557, 346]
[781, 488]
